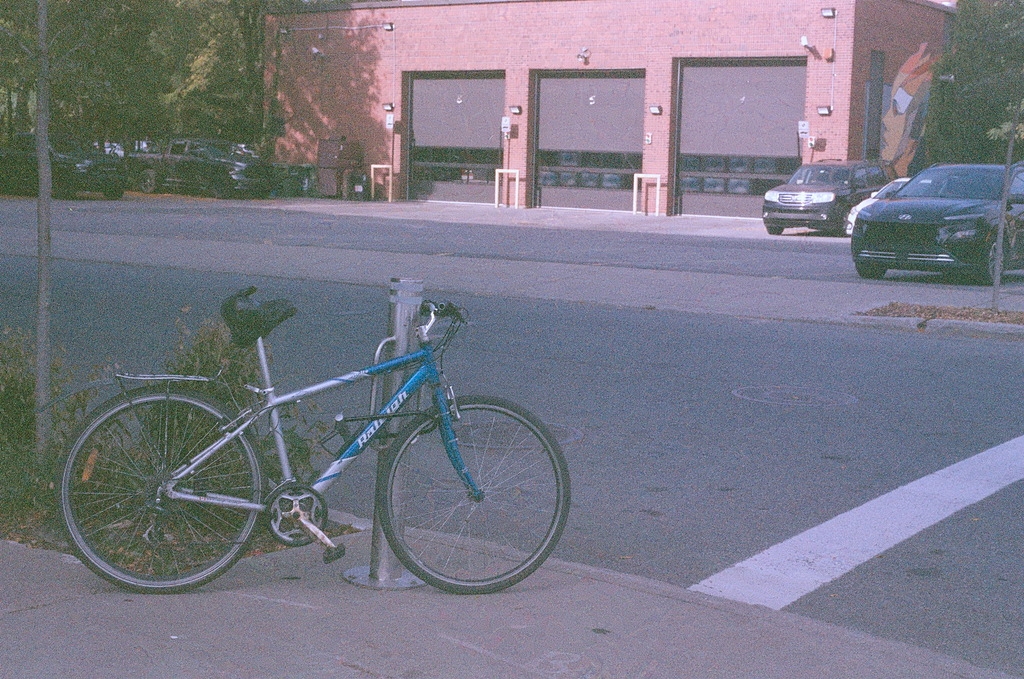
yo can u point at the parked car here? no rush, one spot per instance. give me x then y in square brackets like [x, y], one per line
[200, 167]
[819, 195]
[76, 168]
[884, 192]
[944, 219]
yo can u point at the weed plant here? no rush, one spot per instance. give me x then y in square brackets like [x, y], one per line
[208, 351]
[23, 484]
[27, 495]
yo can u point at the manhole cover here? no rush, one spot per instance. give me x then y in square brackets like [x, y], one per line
[795, 396]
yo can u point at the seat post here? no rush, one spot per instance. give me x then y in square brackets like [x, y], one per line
[275, 418]
[261, 351]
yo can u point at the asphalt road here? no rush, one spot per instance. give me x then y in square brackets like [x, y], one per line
[679, 469]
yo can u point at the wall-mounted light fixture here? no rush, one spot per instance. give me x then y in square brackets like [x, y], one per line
[655, 110]
[389, 26]
[824, 110]
[806, 44]
[828, 12]
[515, 110]
[389, 107]
[584, 56]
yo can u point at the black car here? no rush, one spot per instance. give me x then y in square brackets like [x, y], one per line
[819, 195]
[944, 219]
[205, 167]
[76, 168]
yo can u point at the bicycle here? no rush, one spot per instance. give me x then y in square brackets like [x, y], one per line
[161, 490]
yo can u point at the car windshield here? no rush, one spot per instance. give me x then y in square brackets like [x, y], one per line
[822, 175]
[890, 189]
[981, 183]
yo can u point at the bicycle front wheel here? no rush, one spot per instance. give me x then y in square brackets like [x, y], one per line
[464, 545]
[110, 498]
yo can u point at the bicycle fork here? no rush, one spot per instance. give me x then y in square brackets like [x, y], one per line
[448, 410]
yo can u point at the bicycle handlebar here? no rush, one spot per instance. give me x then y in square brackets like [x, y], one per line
[443, 310]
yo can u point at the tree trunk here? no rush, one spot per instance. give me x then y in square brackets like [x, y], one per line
[42, 394]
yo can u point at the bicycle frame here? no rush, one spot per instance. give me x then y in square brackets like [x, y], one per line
[426, 375]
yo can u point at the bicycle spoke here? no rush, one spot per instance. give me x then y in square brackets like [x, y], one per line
[454, 542]
[120, 522]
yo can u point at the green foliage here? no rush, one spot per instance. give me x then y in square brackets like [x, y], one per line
[20, 481]
[986, 60]
[123, 70]
[17, 413]
[208, 351]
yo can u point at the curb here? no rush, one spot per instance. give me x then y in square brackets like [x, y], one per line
[942, 327]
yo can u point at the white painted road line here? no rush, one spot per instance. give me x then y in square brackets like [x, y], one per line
[789, 570]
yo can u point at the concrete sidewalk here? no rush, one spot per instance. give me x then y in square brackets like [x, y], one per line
[286, 614]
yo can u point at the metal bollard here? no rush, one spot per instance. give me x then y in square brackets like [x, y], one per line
[385, 571]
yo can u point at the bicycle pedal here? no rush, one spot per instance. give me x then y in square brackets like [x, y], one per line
[332, 554]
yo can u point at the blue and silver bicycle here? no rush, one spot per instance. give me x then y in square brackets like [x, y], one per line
[162, 489]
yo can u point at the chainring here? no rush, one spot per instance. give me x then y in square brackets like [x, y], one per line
[285, 504]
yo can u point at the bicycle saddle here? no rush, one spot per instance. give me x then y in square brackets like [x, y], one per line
[249, 321]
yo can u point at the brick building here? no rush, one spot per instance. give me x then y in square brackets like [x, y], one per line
[714, 101]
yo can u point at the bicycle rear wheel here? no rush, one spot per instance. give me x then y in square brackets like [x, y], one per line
[109, 492]
[453, 542]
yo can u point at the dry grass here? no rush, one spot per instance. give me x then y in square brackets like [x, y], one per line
[902, 310]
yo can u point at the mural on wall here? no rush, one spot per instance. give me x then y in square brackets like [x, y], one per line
[903, 122]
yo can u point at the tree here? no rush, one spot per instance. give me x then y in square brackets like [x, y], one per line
[17, 37]
[215, 50]
[133, 69]
[979, 80]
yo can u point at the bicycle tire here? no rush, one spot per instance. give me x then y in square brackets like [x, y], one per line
[444, 537]
[119, 526]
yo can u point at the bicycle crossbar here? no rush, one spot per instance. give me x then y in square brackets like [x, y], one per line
[350, 378]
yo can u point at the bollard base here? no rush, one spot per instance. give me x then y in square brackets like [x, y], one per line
[361, 576]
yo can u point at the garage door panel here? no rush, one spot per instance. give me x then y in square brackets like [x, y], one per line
[589, 139]
[737, 131]
[456, 136]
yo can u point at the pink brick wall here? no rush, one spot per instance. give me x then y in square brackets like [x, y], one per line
[361, 66]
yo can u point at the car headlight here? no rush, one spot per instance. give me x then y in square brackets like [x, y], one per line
[772, 196]
[822, 197]
[960, 227]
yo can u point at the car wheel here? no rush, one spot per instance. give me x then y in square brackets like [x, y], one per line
[774, 230]
[870, 270]
[147, 181]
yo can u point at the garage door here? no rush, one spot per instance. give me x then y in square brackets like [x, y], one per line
[456, 135]
[589, 139]
[738, 132]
